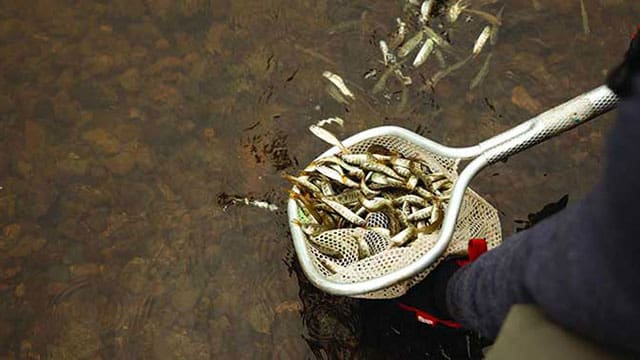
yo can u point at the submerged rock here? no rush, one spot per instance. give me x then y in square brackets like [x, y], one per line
[522, 99]
[102, 140]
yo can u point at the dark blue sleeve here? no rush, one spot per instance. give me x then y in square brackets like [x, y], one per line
[581, 266]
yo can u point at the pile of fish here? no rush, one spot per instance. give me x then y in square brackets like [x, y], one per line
[365, 190]
[431, 39]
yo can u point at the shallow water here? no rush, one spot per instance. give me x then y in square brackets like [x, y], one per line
[126, 123]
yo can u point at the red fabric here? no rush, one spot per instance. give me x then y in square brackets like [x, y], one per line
[426, 318]
[635, 33]
[475, 248]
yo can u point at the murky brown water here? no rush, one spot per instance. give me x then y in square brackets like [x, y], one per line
[123, 122]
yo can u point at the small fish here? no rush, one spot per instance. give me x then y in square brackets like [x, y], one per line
[482, 39]
[331, 120]
[355, 159]
[311, 229]
[412, 182]
[585, 18]
[424, 193]
[351, 170]
[370, 74]
[440, 57]
[331, 266]
[398, 36]
[422, 214]
[445, 72]
[484, 70]
[366, 190]
[399, 161]
[439, 40]
[373, 165]
[339, 83]
[493, 38]
[327, 189]
[387, 56]
[425, 10]
[344, 212]
[336, 94]
[403, 237]
[490, 18]
[410, 199]
[303, 182]
[455, 10]
[348, 197]
[336, 176]
[375, 204]
[410, 44]
[328, 137]
[381, 181]
[425, 51]
[364, 250]
[405, 80]
[381, 83]
[402, 171]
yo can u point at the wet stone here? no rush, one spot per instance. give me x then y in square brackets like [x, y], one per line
[72, 167]
[522, 99]
[88, 269]
[99, 64]
[58, 273]
[130, 79]
[261, 318]
[7, 208]
[121, 164]
[134, 275]
[38, 200]
[94, 96]
[218, 329]
[102, 140]
[26, 246]
[43, 109]
[185, 298]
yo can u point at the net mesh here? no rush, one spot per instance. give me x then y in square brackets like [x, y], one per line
[477, 219]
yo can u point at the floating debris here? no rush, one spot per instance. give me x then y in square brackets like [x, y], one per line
[339, 83]
[227, 200]
[585, 18]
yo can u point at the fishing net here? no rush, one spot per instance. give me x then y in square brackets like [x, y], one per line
[477, 219]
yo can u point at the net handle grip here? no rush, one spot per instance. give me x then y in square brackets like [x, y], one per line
[550, 123]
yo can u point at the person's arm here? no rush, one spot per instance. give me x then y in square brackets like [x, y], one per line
[581, 266]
